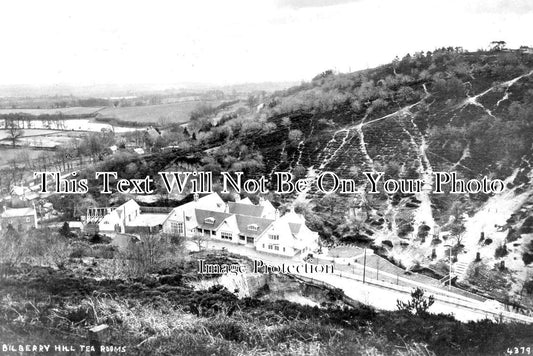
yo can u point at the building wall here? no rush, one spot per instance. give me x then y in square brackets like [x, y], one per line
[120, 217]
[186, 213]
[229, 226]
[285, 241]
[19, 223]
[181, 215]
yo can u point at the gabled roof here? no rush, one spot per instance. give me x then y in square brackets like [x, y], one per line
[130, 202]
[245, 209]
[246, 201]
[11, 213]
[295, 228]
[207, 202]
[148, 219]
[244, 221]
[266, 203]
[202, 215]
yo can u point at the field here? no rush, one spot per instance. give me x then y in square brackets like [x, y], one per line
[28, 133]
[7, 154]
[72, 111]
[171, 113]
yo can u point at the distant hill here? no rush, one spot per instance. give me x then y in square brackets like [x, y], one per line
[127, 90]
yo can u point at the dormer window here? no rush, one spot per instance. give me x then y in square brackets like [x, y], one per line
[210, 221]
[253, 227]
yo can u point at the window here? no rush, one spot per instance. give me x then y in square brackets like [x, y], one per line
[270, 247]
[253, 227]
[284, 249]
[276, 247]
[273, 237]
[226, 235]
[176, 228]
[210, 221]
[250, 240]
[242, 238]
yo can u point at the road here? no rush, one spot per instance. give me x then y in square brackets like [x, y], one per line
[382, 294]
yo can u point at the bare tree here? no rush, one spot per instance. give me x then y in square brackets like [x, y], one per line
[498, 45]
[199, 240]
[150, 253]
[14, 131]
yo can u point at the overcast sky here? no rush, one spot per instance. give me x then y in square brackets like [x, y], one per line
[225, 42]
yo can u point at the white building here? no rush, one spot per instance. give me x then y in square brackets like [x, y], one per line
[257, 226]
[117, 219]
[244, 223]
[21, 219]
[182, 219]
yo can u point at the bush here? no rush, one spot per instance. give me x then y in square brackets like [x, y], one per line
[501, 251]
[387, 243]
[335, 294]
[65, 231]
[40, 246]
[512, 235]
[527, 226]
[528, 286]
[418, 304]
[527, 257]
[100, 239]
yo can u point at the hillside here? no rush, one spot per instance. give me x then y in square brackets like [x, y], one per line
[161, 314]
[450, 111]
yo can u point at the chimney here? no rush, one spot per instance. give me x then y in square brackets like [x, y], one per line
[237, 198]
[226, 208]
[196, 196]
[276, 215]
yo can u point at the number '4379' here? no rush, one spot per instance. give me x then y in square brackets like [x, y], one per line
[519, 350]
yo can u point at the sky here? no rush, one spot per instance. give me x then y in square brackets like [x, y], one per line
[224, 42]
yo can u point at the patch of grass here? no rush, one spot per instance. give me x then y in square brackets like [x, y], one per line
[152, 114]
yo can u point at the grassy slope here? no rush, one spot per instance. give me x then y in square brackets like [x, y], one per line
[165, 317]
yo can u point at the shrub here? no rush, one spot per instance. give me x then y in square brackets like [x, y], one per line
[65, 230]
[512, 235]
[527, 226]
[418, 304]
[528, 286]
[501, 251]
[100, 239]
[387, 243]
[405, 229]
[335, 294]
[527, 258]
